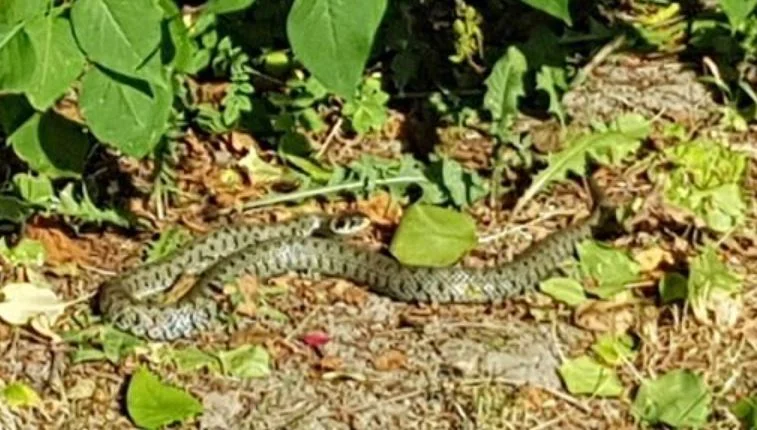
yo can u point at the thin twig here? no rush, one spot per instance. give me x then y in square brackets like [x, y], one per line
[329, 138]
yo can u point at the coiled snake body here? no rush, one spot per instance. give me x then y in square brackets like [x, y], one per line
[305, 244]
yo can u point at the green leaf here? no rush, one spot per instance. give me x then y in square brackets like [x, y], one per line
[746, 410]
[220, 7]
[180, 48]
[461, 187]
[613, 349]
[152, 404]
[127, 113]
[51, 145]
[249, 361]
[612, 269]
[59, 60]
[260, 171]
[503, 88]
[17, 57]
[168, 241]
[118, 34]
[333, 39]
[604, 147]
[192, 359]
[673, 286]
[15, 110]
[368, 111]
[679, 398]
[565, 290]
[37, 190]
[551, 80]
[737, 11]
[706, 180]
[18, 394]
[446, 236]
[27, 252]
[117, 344]
[584, 375]
[710, 279]
[557, 8]
[13, 210]
[632, 125]
[15, 11]
[85, 209]
[83, 355]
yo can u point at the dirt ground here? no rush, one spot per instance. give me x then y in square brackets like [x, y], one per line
[389, 365]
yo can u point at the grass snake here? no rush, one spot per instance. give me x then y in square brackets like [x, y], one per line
[313, 244]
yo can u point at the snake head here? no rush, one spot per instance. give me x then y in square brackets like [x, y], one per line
[348, 224]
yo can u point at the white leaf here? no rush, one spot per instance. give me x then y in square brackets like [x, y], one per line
[24, 301]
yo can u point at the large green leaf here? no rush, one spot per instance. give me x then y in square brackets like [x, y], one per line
[129, 114]
[152, 404]
[710, 279]
[333, 39]
[433, 237]
[227, 6]
[119, 34]
[504, 87]
[17, 58]
[52, 145]
[610, 268]
[737, 10]
[679, 398]
[13, 209]
[15, 11]
[746, 410]
[59, 60]
[557, 8]
[15, 110]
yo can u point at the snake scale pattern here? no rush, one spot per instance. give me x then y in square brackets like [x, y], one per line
[307, 244]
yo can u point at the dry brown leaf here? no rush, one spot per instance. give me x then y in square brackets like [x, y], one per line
[241, 142]
[330, 363]
[382, 209]
[390, 360]
[248, 286]
[60, 248]
[604, 316]
[348, 293]
[651, 258]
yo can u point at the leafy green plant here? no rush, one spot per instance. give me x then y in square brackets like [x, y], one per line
[706, 180]
[368, 110]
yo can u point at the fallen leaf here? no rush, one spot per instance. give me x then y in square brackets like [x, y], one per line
[381, 208]
[18, 394]
[651, 258]
[24, 301]
[43, 325]
[604, 316]
[584, 375]
[82, 389]
[330, 363]
[390, 360]
[247, 287]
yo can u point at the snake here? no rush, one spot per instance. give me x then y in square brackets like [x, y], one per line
[314, 244]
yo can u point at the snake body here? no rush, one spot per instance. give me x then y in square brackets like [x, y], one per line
[266, 251]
